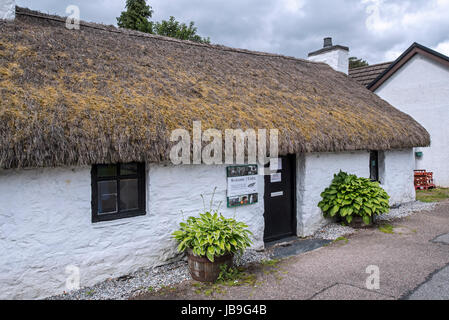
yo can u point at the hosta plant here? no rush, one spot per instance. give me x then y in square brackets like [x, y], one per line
[212, 235]
[349, 196]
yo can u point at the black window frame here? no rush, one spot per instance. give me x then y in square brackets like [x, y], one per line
[141, 189]
[374, 155]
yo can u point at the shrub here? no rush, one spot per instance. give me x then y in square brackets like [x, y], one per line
[212, 235]
[350, 196]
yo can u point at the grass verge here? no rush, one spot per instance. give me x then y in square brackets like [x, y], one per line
[386, 228]
[432, 195]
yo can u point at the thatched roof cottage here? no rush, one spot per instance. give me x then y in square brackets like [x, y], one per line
[86, 118]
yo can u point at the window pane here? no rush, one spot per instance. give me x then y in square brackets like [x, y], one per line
[129, 195]
[106, 170]
[374, 165]
[107, 197]
[128, 168]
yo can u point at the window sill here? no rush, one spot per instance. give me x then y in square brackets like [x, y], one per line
[135, 218]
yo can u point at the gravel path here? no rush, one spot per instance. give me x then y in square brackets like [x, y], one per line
[149, 279]
[406, 210]
[334, 231]
[145, 279]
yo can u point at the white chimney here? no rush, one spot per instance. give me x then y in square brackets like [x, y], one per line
[335, 56]
[7, 9]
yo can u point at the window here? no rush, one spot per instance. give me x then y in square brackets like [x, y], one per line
[374, 165]
[118, 191]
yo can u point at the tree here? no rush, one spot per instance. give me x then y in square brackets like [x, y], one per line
[136, 16]
[138, 13]
[354, 62]
[175, 29]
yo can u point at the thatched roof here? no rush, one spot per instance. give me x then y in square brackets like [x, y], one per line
[101, 94]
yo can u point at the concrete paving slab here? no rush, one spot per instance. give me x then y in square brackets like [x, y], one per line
[436, 288]
[297, 247]
[444, 238]
[275, 243]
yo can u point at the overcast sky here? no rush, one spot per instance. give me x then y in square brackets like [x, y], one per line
[376, 30]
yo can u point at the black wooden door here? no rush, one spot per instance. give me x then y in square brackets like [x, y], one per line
[279, 200]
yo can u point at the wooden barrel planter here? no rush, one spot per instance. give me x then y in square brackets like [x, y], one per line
[201, 269]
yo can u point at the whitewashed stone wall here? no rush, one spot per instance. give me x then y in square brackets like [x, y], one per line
[7, 9]
[178, 188]
[396, 175]
[315, 172]
[45, 225]
[421, 89]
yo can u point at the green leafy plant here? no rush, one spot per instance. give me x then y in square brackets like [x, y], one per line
[234, 277]
[349, 196]
[212, 235]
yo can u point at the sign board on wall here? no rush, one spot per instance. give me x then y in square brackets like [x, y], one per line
[242, 185]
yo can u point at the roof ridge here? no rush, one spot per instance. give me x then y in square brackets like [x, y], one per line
[134, 33]
[415, 48]
[370, 66]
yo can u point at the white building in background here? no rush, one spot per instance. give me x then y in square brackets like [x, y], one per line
[417, 83]
[336, 56]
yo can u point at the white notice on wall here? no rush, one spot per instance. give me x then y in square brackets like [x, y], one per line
[275, 164]
[276, 177]
[242, 185]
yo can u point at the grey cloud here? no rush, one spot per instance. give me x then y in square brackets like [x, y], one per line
[267, 25]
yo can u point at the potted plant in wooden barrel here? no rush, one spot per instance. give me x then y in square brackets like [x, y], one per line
[354, 200]
[211, 240]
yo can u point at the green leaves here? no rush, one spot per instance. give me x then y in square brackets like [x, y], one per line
[346, 211]
[137, 17]
[349, 196]
[212, 235]
[210, 253]
[366, 219]
[175, 29]
[334, 210]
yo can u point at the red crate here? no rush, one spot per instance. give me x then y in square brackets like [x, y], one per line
[423, 180]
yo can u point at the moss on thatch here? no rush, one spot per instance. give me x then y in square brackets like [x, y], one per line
[100, 94]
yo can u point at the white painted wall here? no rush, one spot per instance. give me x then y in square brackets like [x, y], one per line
[315, 172]
[178, 188]
[7, 9]
[338, 59]
[396, 175]
[45, 225]
[421, 89]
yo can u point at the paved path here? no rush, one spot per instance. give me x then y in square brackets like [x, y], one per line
[436, 286]
[413, 263]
